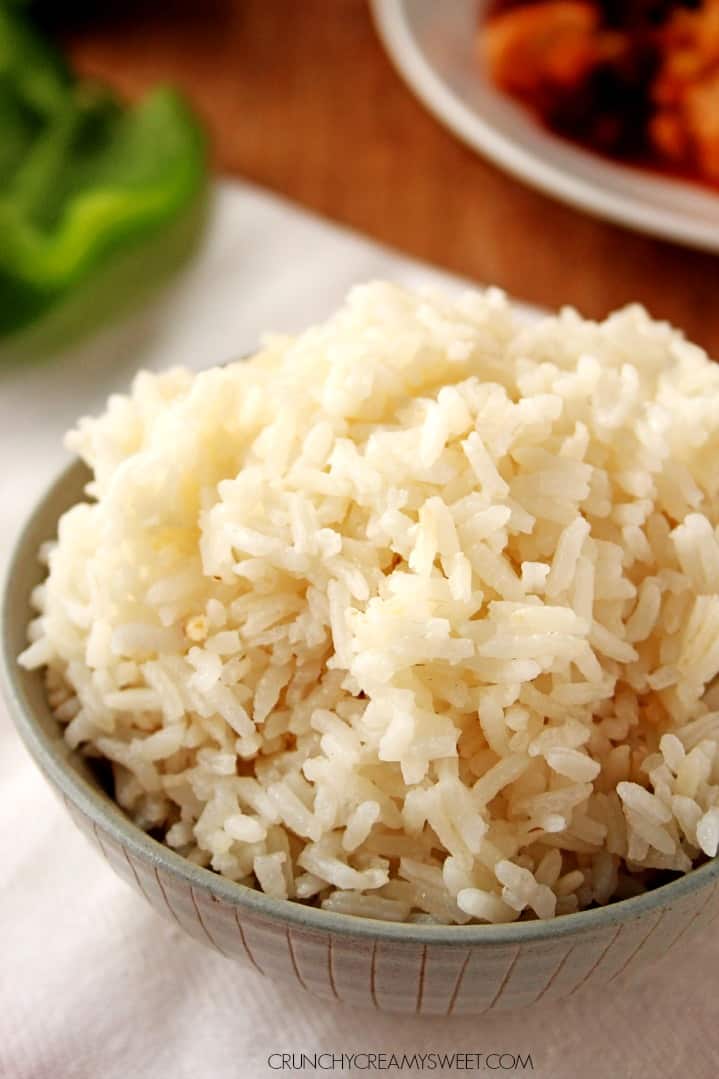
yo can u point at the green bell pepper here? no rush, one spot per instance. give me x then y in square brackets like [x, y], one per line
[82, 177]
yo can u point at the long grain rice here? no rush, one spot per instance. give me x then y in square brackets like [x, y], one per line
[413, 616]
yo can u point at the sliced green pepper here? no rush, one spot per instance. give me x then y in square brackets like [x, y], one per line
[81, 176]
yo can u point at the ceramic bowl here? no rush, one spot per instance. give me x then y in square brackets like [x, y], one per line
[433, 970]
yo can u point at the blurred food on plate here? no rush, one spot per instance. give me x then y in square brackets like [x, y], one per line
[84, 178]
[634, 79]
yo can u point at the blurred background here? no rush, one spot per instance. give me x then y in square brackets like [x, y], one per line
[303, 100]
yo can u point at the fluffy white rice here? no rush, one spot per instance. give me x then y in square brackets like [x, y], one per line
[411, 616]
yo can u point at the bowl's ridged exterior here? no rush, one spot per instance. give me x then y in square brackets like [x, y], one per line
[393, 976]
[461, 970]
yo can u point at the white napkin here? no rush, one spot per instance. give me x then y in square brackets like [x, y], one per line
[94, 984]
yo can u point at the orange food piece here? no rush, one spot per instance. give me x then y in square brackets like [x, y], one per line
[685, 127]
[669, 135]
[702, 113]
[543, 50]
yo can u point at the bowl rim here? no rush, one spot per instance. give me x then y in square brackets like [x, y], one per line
[105, 814]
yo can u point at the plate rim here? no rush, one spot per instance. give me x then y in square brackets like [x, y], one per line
[473, 130]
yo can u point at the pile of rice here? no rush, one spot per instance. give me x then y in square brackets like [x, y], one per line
[411, 616]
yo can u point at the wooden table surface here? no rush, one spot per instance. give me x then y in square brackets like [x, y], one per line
[299, 96]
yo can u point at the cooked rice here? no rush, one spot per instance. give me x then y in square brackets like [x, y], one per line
[411, 616]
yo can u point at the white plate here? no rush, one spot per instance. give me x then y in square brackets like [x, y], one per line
[433, 45]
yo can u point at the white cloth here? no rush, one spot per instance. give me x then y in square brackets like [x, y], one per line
[92, 982]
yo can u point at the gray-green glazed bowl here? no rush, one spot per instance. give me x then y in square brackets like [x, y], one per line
[433, 970]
